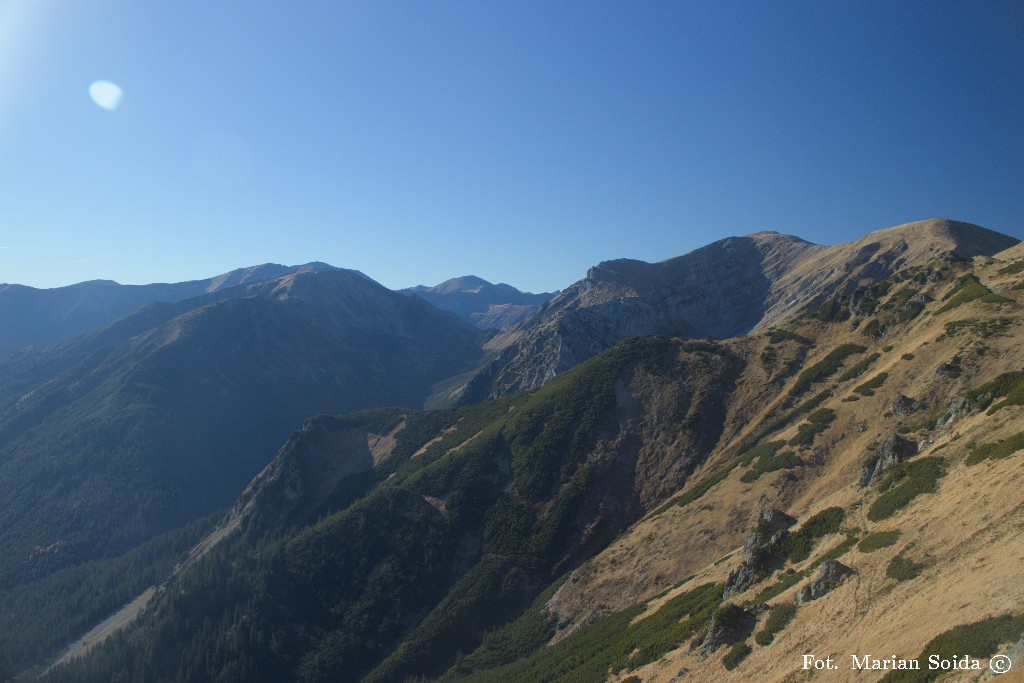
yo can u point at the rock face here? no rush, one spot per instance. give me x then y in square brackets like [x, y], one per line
[894, 450]
[730, 624]
[757, 552]
[958, 407]
[831, 574]
[481, 303]
[725, 289]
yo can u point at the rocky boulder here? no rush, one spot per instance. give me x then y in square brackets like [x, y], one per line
[730, 624]
[768, 531]
[902, 406]
[894, 450]
[958, 407]
[831, 574]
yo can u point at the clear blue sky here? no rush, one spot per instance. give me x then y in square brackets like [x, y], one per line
[518, 141]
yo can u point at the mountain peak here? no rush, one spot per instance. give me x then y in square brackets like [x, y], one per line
[945, 235]
[465, 283]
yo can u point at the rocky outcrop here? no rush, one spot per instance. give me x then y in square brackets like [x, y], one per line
[950, 368]
[902, 406]
[730, 624]
[958, 407]
[770, 527]
[831, 574]
[863, 301]
[894, 450]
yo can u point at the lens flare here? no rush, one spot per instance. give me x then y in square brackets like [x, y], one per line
[106, 94]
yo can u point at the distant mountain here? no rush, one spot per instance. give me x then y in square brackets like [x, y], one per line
[116, 435]
[38, 316]
[723, 290]
[481, 303]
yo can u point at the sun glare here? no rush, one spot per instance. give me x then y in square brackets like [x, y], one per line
[106, 94]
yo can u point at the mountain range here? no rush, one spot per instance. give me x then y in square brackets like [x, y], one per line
[697, 469]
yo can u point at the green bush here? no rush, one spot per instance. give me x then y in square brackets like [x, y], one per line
[1009, 386]
[996, 450]
[878, 540]
[902, 569]
[831, 311]
[778, 618]
[797, 546]
[1013, 268]
[776, 336]
[859, 368]
[822, 416]
[970, 289]
[905, 482]
[868, 388]
[818, 421]
[771, 463]
[825, 522]
[614, 642]
[826, 367]
[736, 654]
[979, 639]
[873, 329]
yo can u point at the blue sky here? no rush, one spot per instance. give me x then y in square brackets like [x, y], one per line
[518, 141]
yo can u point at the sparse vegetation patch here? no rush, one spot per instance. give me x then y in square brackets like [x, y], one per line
[614, 643]
[777, 336]
[1013, 268]
[902, 569]
[868, 388]
[817, 422]
[736, 654]
[979, 639]
[771, 463]
[826, 367]
[778, 618]
[997, 450]
[905, 482]
[970, 289]
[1009, 386]
[873, 329]
[878, 540]
[859, 368]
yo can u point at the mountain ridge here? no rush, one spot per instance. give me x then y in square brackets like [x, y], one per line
[481, 303]
[724, 289]
[39, 316]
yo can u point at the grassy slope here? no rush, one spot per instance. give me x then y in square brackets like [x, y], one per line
[701, 536]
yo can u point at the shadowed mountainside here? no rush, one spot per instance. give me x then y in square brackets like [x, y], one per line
[39, 316]
[162, 417]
